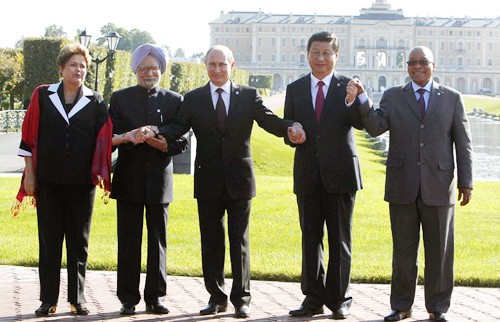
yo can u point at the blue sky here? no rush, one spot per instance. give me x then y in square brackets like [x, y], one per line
[184, 24]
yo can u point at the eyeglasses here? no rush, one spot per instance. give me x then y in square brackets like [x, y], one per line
[146, 69]
[421, 62]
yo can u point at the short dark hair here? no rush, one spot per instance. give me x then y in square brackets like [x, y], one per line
[71, 49]
[324, 36]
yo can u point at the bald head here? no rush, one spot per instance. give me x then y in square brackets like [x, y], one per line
[421, 65]
[423, 50]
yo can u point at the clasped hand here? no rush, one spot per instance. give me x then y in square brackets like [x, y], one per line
[149, 135]
[354, 88]
[296, 133]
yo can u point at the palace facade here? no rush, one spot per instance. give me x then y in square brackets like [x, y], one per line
[374, 46]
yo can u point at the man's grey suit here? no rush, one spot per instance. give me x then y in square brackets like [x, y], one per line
[421, 175]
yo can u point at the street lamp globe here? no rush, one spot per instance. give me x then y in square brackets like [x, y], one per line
[113, 39]
[84, 38]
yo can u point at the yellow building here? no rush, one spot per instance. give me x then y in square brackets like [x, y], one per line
[374, 46]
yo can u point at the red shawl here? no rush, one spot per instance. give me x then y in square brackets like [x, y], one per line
[101, 162]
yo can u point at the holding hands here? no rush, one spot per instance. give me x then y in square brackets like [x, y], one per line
[296, 133]
[354, 88]
[147, 134]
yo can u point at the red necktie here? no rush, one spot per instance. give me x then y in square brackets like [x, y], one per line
[320, 101]
[421, 101]
[220, 108]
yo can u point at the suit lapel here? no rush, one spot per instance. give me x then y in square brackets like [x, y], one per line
[233, 100]
[434, 99]
[331, 95]
[307, 97]
[411, 99]
[82, 102]
[57, 101]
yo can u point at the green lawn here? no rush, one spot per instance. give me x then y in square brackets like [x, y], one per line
[487, 103]
[274, 228]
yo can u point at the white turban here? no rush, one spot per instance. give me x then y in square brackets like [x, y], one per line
[148, 49]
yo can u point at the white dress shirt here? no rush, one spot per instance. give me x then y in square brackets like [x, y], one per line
[226, 94]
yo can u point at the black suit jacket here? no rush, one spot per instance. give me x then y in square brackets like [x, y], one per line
[66, 142]
[223, 157]
[330, 153]
[142, 173]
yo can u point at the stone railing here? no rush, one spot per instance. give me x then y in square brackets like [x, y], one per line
[11, 120]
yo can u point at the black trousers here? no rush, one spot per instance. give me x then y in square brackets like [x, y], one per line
[329, 287]
[130, 223]
[64, 212]
[211, 216]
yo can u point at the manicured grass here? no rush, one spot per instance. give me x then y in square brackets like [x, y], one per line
[489, 104]
[274, 229]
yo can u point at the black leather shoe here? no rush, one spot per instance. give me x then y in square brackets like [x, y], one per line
[438, 316]
[304, 310]
[79, 309]
[340, 313]
[127, 309]
[45, 309]
[213, 308]
[158, 308]
[398, 315]
[242, 312]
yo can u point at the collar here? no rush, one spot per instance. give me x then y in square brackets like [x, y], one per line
[226, 87]
[416, 87]
[327, 79]
[151, 91]
[84, 89]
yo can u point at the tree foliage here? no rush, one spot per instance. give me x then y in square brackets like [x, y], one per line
[11, 74]
[129, 40]
[260, 81]
[55, 31]
[180, 53]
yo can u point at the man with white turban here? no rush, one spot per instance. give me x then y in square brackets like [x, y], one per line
[143, 178]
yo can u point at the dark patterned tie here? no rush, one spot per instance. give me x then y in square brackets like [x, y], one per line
[421, 101]
[320, 101]
[220, 108]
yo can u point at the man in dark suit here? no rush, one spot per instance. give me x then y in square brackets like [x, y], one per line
[221, 115]
[428, 128]
[326, 177]
[143, 178]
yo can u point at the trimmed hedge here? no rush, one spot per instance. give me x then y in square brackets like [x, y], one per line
[40, 67]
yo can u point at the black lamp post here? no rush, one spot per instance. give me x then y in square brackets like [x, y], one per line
[113, 38]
